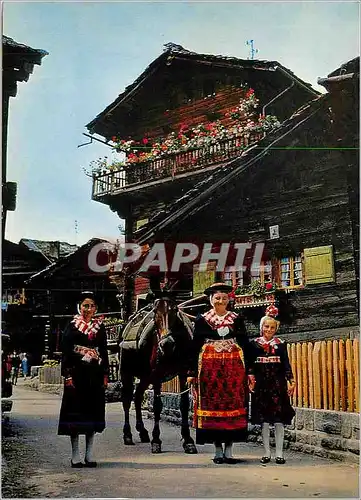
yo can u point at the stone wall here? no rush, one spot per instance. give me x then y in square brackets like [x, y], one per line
[324, 433]
[112, 394]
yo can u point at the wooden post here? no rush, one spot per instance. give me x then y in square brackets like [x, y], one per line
[350, 376]
[324, 376]
[356, 360]
[310, 373]
[316, 373]
[292, 354]
[299, 374]
[330, 375]
[306, 399]
[336, 375]
[341, 348]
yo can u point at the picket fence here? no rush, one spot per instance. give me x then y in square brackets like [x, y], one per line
[327, 375]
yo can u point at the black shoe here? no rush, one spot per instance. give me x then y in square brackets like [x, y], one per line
[90, 464]
[218, 460]
[231, 461]
[265, 460]
[76, 465]
[280, 460]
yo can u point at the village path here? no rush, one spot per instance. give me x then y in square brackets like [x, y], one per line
[37, 461]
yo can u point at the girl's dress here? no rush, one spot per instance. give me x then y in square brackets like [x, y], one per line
[270, 401]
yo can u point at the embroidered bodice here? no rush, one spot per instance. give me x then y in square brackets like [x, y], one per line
[220, 323]
[269, 346]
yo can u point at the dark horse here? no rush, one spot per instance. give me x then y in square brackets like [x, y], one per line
[155, 347]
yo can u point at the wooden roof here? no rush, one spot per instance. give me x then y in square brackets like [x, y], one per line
[68, 263]
[173, 52]
[347, 73]
[18, 63]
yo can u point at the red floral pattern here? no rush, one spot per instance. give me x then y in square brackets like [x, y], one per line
[220, 400]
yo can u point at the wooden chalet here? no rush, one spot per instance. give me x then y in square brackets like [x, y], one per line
[185, 122]
[18, 61]
[55, 290]
[20, 261]
[18, 264]
[298, 192]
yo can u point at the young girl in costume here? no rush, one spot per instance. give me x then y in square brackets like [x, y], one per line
[274, 385]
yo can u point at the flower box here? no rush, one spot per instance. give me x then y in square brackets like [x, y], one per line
[252, 301]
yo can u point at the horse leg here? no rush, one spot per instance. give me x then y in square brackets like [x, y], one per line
[127, 396]
[138, 399]
[157, 409]
[188, 443]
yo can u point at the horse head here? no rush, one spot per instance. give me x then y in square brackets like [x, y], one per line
[165, 313]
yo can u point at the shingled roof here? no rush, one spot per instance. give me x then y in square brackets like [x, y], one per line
[65, 260]
[52, 250]
[18, 62]
[177, 52]
[347, 72]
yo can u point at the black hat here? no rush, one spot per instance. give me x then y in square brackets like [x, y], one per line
[86, 295]
[218, 287]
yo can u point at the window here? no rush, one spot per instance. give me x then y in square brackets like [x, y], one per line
[236, 279]
[290, 272]
[262, 273]
[233, 278]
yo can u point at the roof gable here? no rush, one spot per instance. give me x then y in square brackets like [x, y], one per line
[175, 54]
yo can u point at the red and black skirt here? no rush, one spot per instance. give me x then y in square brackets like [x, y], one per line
[221, 396]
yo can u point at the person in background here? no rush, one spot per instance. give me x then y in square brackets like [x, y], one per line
[219, 371]
[274, 385]
[85, 368]
[24, 365]
[15, 366]
[30, 362]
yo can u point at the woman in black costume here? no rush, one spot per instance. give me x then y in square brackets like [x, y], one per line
[85, 370]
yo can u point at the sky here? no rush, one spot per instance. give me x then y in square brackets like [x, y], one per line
[96, 49]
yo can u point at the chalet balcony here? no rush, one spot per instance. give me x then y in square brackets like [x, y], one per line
[176, 165]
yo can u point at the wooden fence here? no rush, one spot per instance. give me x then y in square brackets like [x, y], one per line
[327, 375]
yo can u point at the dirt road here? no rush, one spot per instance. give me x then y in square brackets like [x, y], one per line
[37, 464]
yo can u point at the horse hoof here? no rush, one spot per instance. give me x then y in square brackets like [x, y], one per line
[156, 448]
[128, 441]
[144, 437]
[190, 448]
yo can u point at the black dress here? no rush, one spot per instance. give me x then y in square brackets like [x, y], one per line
[221, 365]
[270, 401]
[83, 406]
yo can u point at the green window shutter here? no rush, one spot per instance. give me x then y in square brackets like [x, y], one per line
[140, 223]
[202, 279]
[319, 265]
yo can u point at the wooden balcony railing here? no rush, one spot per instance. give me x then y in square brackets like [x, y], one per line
[171, 165]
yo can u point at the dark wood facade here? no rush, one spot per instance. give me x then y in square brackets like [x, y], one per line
[54, 291]
[300, 177]
[306, 193]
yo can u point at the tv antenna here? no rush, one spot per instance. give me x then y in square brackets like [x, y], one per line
[252, 50]
[76, 226]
